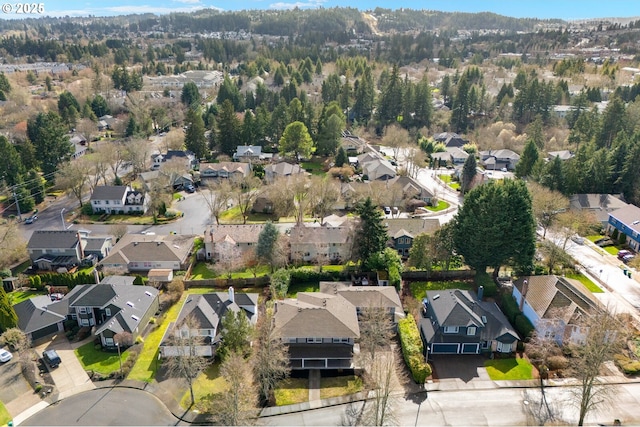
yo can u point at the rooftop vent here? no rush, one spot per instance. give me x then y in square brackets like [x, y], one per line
[636, 222]
[435, 297]
[134, 317]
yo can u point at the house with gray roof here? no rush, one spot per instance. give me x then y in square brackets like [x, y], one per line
[250, 154]
[600, 205]
[118, 280]
[320, 244]
[626, 220]
[499, 159]
[282, 169]
[118, 199]
[39, 317]
[450, 139]
[562, 154]
[402, 232]
[320, 331]
[53, 249]
[207, 310]
[456, 321]
[384, 298]
[242, 236]
[378, 169]
[224, 170]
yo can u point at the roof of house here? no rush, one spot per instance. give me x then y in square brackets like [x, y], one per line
[284, 169]
[144, 247]
[378, 168]
[95, 243]
[562, 154]
[210, 308]
[411, 227]
[450, 139]
[457, 153]
[160, 274]
[117, 280]
[503, 153]
[313, 235]
[628, 215]
[53, 239]
[552, 296]
[109, 192]
[39, 312]
[606, 202]
[315, 314]
[409, 185]
[231, 167]
[248, 150]
[240, 233]
[364, 296]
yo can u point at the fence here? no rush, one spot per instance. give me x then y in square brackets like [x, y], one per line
[250, 282]
[414, 276]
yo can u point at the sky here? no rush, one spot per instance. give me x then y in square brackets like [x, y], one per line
[562, 9]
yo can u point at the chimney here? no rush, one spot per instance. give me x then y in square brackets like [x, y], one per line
[480, 293]
[231, 294]
[96, 275]
[525, 289]
[81, 248]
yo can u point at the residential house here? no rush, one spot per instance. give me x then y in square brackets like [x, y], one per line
[367, 157]
[79, 150]
[54, 249]
[183, 158]
[112, 309]
[320, 331]
[251, 154]
[106, 122]
[456, 321]
[450, 139]
[282, 169]
[78, 139]
[378, 169]
[599, 205]
[320, 244]
[562, 154]
[118, 199]
[202, 79]
[97, 247]
[402, 232]
[458, 155]
[351, 144]
[626, 220]
[554, 305]
[142, 252]
[234, 171]
[221, 239]
[118, 280]
[160, 276]
[383, 298]
[262, 204]
[39, 317]
[207, 310]
[409, 188]
[499, 159]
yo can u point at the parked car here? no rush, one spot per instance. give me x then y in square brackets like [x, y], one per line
[189, 188]
[623, 253]
[51, 358]
[5, 355]
[387, 210]
[578, 239]
[628, 258]
[31, 219]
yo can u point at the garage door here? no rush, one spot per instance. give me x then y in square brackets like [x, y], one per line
[44, 332]
[470, 348]
[445, 348]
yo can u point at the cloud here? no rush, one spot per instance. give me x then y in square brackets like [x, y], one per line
[118, 10]
[299, 4]
[188, 1]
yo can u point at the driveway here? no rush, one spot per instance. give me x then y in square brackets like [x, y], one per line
[13, 382]
[70, 377]
[468, 368]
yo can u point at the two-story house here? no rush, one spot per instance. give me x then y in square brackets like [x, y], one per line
[458, 322]
[54, 249]
[402, 232]
[250, 154]
[320, 331]
[207, 312]
[384, 298]
[320, 244]
[118, 199]
[450, 139]
[219, 237]
[234, 171]
[182, 158]
[626, 220]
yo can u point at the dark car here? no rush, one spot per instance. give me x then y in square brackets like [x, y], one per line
[51, 358]
[189, 188]
[31, 219]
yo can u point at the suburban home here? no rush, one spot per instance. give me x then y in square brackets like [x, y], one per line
[54, 249]
[562, 154]
[39, 317]
[143, 252]
[378, 169]
[77, 139]
[402, 231]
[202, 79]
[250, 154]
[112, 309]
[554, 305]
[282, 169]
[174, 180]
[410, 189]
[187, 159]
[384, 298]
[598, 204]
[627, 221]
[262, 204]
[320, 331]
[220, 237]
[367, 157]
[225, 170]
[320, 244]
[97, 247]
[106, 122]
[351, 144]
[118, 199]
[499, 159]
[207, 310]
[118, 280]
[456, 321]
[450, 139]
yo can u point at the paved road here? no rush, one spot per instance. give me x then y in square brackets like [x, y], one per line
[105, 407]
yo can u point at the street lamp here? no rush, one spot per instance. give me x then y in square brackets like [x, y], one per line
[119, 358]
[62, 218]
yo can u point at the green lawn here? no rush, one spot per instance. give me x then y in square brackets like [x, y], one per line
[234, 216]
[5, 417]
[442, 205]
[454, 185]
[97, 360]
[262, 270]
[418, 289]
[302, 287]
[314, 167]
[339, 386]
[586, 282]
[594, 237]
[209, 382]
[445, 178]
[613, 250]
[292, 390]
[202, 271]
[18, 296]
[509, 369]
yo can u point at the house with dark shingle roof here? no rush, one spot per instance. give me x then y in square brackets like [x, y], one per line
[456, 321]
[39, 317]
[499, 159]
[554, 305]
[383, 298]
[320, 330]
[282, 169]
[118, 199]
[598, 204]
[141, 252]
[224, 170]
[208, 310]
[450, 139]
[53, 249]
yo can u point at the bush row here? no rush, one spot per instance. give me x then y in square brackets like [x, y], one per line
[63, 279]
[413, 350]
[305, 275]
[514, 315]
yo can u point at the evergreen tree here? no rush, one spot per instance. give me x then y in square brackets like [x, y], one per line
[341, 158]
[229, 90]
[318, 67]
[8, 316]
[460, 110]
[132, 127]
[236, 334]
[296, 140]
[469, 171]
[371, 234]
[528, 159]
[613, 121]
[11, 167]
[49, 136]
[35, 183]
[390, 103]
[99, 106]
[553, 177]
[423, 105]
[364, 98]
[194, 139]
[267, 240]
[68, 107]
[190, 95]
[229, 129]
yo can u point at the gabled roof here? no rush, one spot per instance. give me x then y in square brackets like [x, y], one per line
[284, 169]
[454, 307]
[231, 167]
[315, 314]
[629, 216]
[310, 235]
[118, 280]
[378, 168]
[142, 247]
[53, 239]
[606, 202]
[364, 296]
[240, 233]
[93, 296]
[39, 312]
[95, 243]
[110, 192]
[248, 150]
[411, 227]
[503, 153]
[562, 154]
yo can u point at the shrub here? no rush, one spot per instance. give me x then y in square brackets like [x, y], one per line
[486, 281]
[306, 275]
[523, 326]
[83, 332]
[628, 366]
[87, 209]
[555, 363]
[412, 349]
[509, 307]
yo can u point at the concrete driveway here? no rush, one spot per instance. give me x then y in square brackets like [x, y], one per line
[467, 368]
[70, 377]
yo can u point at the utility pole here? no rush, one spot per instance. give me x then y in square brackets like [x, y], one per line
[15, 196]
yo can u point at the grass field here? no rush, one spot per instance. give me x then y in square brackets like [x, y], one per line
[292, 390]
[263, 270]
[18, 296]
[442, 205]
[339, 386]
[234, 216]
[201, 271]
[509, 369]
[209, 382]
[613, 250]
[314, 166]
[98, 360]
[418, 289]
[586, 282]
[302, 287]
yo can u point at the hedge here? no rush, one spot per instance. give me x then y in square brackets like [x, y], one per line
[305, 275]
[486, 281]
[412, 349]
[67, 279]
[510, 309]
[628, 366]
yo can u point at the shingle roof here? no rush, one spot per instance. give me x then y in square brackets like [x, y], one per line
[310, 235]
[53, 239]
[142, 247]
[283, 169]
[230, 167]
[411, 226]
[240, 233]
[39, 312]
[315, 314]
[109, 192]
[606, 202]
[118, 280]
[629, 216]
[364, 296]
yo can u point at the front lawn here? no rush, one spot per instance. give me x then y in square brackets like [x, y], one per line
[209, 382]
[292, 390]
[442, 205]
[18, 296]
[234, 216]
[201, 271]
[339, 386]
[5, 417]
[418, 289]
[595, 237]
[103, 362]
[586, 282]
[445, 178]
[613, 250]
[509, 369]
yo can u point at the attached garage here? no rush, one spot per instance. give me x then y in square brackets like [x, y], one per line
[470, 348]
[47, 330]
[448, 348]
[40, 317]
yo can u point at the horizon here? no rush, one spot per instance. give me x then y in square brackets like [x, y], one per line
[543, 9]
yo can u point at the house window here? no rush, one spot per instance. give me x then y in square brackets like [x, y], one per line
[450, 329]
[340, 340]
[108, 341]
[107, 311]
[83, 310]
[314, 340]
[84, 322]
[471, 330]
[485, 344]
[106, 202]
[184, 333]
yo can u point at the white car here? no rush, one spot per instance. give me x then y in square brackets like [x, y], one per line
[5, 356]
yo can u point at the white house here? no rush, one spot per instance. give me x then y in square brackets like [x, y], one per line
[118, 199]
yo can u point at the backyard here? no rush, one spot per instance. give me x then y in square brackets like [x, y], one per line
[418, 289]
[18, 296]
[509, 369]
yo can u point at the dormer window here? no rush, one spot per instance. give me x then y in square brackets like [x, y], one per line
[451, 329]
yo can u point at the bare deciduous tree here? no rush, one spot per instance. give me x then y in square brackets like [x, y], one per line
[118, 230]
[237, 405]
[217, 198]
[137, 152]
[245, 192]
[396, 138]
[571, 222]
[72, 177]
[547, 205]
[383, 380]
[376, 331]
[14, 248]
[324, 195]
[270, 358]
[113, 154]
